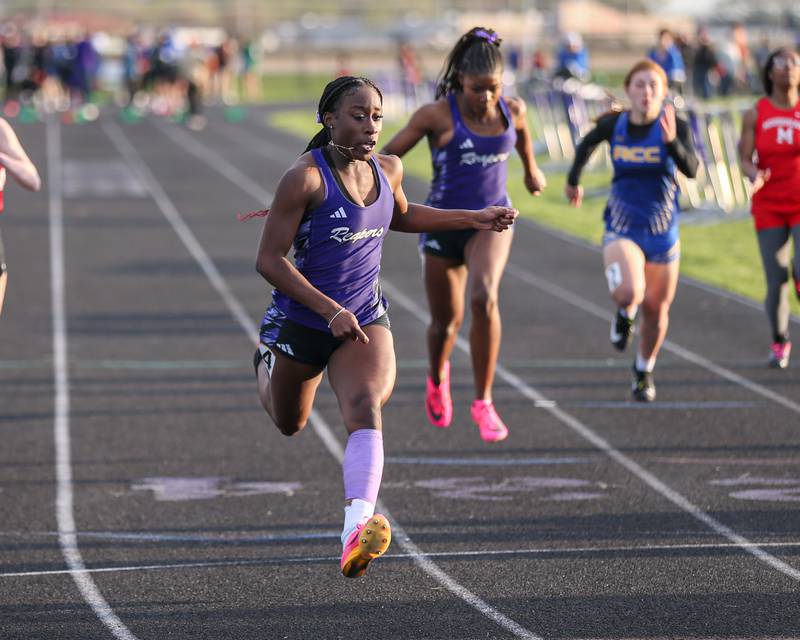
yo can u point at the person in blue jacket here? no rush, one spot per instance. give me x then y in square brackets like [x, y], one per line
[669, 58]
[572, 59]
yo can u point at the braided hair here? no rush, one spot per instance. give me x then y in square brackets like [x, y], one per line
[333, 92]
[477, 52]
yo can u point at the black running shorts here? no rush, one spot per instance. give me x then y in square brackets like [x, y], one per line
[307, 345]
[446, 244]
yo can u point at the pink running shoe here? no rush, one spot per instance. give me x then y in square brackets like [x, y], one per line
[438, 403]
[491, 426]
[779, 354]
[368, 541]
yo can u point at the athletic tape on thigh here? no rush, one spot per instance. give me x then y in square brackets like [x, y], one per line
[613, 276]
[267, 357]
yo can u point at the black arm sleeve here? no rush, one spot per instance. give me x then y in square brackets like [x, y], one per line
[602, 132]
[681, 150]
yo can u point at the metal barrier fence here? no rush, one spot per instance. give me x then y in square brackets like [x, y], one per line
[562, 118]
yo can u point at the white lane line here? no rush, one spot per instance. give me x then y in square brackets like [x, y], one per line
[587, 433]
[695, 358]
[258, 144]
[65, 515]
[217, 162]
[627, 405]
[477, 553]
[319, 425]
[179, 565]
[235, 537]
[183, 231]
[145, 365]
[221, 539]
[484, 462]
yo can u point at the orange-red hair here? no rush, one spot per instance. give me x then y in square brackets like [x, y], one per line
[647, 65]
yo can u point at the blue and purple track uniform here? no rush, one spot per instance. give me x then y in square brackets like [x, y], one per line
[643, 205]
[469, 172]
[338, 250]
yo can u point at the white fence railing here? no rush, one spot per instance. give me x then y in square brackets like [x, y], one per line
[562, 118]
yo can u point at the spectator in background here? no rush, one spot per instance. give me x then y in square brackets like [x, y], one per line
[667, 55]
[87, 64]
[725, 71]
[743, 75]
[228, 69]
[12, 55]
[251, 70]
[40, 58]
[705, 62]
[52, 93]
[539, 66]
[162, 76]
[540, 62]
[64, 55]
[573, 58]
[682, 42]
[193, 82]
[411, 75]
[760, 55]
[134, 65]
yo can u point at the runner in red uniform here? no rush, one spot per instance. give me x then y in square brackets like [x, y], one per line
[770, 155]
[16, 163]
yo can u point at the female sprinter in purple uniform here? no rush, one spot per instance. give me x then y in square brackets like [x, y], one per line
[334, 207]
[641, 247]
[471, 130]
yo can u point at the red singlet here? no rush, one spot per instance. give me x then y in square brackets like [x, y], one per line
[777, 142]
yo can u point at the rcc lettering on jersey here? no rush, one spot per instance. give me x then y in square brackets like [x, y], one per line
[343, 234]
[643, 155]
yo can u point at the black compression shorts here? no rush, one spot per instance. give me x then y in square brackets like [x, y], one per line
[310, 346]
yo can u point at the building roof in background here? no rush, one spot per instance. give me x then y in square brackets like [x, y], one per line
[595, 20]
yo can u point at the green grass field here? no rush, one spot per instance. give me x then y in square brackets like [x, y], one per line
[724, 254]
[290, 87]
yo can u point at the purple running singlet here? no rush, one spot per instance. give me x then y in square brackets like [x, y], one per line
[338, 250]
[470, 171]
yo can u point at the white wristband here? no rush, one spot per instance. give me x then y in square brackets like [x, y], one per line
[334, 316]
